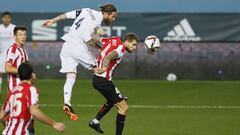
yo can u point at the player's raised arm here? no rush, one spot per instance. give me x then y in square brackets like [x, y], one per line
[38, 114]
[54, 20]
[69, 15]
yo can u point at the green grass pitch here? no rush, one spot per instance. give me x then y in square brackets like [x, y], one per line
[156, 107]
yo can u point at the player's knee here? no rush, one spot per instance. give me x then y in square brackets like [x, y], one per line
[71, 75]
[123, 107]
[126, 108]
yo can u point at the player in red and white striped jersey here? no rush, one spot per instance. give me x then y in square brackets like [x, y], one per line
[22, 106]
[109, 45]
[15, 56]
[111, 55]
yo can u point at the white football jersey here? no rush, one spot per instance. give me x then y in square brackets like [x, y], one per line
[6, 37]
[86, 20]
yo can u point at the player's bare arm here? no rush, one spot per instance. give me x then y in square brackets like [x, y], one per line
[95, 41]
[10, 68]
[38, 114]
[96, 38]
[2, 114]
[99, 31]
[111, 56]
[54, 20]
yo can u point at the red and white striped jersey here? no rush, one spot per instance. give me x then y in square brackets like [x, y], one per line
[15, 55]
[18, 105]
[109, 45]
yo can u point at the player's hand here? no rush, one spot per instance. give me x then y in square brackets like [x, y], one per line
[99, 31]
[59, 126]
[100, 70]
[48, 23]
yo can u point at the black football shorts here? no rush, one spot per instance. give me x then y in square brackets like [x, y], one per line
[107, 89]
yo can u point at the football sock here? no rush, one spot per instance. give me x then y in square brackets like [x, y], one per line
[70, 80]
[103, 111]
[120, 123]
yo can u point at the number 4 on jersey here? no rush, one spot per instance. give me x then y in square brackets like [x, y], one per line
[78, 23]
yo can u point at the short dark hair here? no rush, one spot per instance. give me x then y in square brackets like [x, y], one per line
[6, 13]
[25, 71]
[108, 7]
[130, 37]
[23, 28]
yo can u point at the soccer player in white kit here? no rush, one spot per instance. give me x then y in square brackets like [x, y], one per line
[6, 40]
[75, 48]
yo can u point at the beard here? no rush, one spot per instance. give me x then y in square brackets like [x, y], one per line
[128, 50]
[107, 22]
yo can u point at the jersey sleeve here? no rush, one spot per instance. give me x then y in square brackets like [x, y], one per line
[73, 14]
[11, 56]
[120, 50]
[34, 95]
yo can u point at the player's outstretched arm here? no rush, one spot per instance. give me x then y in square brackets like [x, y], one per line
[54, 20]
[10, 69]
[38, 114]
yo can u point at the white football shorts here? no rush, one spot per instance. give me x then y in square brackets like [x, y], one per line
[73, 54]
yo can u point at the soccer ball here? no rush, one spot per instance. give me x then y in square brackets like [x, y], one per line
[152, 43]
[171, 77]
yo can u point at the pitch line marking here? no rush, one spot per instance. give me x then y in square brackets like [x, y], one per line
[151, 106]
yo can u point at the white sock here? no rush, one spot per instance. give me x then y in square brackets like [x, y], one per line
[0, 85]
[70, 80]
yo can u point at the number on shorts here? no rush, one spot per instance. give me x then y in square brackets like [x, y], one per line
[118, 92]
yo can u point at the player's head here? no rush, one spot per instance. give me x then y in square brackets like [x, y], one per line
[130, 41]
[6, 18]
[20, 34]
[109, 12]
[25, 71]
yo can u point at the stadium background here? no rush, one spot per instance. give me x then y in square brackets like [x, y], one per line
[217, 30]
[156, 106]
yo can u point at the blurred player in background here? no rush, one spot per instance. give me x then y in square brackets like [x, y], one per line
[111, 55]
[6, 40]
[75, 48]
[22, 105]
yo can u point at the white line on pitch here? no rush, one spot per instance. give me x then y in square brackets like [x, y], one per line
[151, 106]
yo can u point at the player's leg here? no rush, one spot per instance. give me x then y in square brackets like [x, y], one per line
[122, 107]
[94, 123]
[102, 85]
[68, 86]
[69, 67]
